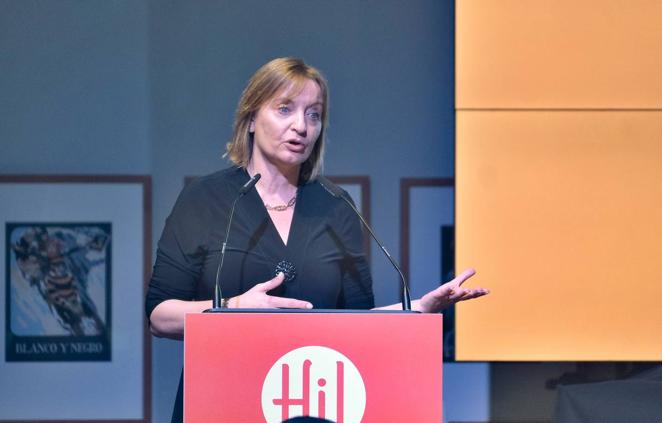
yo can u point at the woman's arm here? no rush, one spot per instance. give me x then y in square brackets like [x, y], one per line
[444, 296]
[167, 318]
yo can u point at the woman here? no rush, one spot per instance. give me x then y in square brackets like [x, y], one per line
[288, 222]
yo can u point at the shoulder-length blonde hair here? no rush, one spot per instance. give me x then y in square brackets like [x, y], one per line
[285, 73]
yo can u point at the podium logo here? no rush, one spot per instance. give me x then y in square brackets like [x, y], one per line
[313, 381]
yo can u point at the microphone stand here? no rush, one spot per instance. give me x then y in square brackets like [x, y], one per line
[334, 190]
[216, 301]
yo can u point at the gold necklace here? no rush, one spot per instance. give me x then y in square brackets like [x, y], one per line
[282, 207]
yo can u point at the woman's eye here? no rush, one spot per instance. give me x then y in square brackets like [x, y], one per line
[283, 110]
[314, 115]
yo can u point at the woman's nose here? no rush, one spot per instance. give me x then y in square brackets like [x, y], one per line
[299, 124]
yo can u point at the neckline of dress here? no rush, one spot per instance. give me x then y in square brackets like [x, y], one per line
[263, 210]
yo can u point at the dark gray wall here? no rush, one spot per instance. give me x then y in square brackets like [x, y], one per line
[141, 87]
[73, 87]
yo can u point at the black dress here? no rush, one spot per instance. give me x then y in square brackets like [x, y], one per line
[324, 246]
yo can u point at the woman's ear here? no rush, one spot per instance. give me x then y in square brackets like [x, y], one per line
[251, 127]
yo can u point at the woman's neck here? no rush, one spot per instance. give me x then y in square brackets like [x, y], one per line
[275, 183]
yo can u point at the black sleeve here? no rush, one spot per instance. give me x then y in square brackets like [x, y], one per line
[181, 250]
[356, 279]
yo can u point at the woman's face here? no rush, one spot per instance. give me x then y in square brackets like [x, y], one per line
[286, 127]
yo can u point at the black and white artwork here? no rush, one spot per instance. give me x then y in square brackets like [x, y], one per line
[58, 291]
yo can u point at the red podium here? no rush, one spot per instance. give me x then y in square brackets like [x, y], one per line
[345, 367]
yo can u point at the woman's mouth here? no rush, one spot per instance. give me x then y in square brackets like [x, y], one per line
[295, 146]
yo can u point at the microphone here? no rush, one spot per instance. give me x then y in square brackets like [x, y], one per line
[337, 192]
[249, 185]
[216, 302]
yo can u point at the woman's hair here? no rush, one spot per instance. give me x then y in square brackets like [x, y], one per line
[285, 73]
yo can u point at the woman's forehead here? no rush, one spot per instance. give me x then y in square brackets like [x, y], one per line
[305, 87]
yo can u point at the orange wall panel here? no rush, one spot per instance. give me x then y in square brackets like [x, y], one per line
[558, 54]
[561, 214]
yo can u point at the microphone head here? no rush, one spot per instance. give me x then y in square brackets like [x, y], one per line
[250, 184]
[332, 188]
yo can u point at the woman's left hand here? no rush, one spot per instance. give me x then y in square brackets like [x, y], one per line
[448, 294]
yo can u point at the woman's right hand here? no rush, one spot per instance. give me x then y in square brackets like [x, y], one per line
[257, 297]
[167, 319]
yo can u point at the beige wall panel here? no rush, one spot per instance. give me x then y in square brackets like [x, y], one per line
[561, 214]
[559, 54]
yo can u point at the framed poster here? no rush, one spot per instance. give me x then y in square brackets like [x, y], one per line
[427, 237]
[76, 255]
[58, 291]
